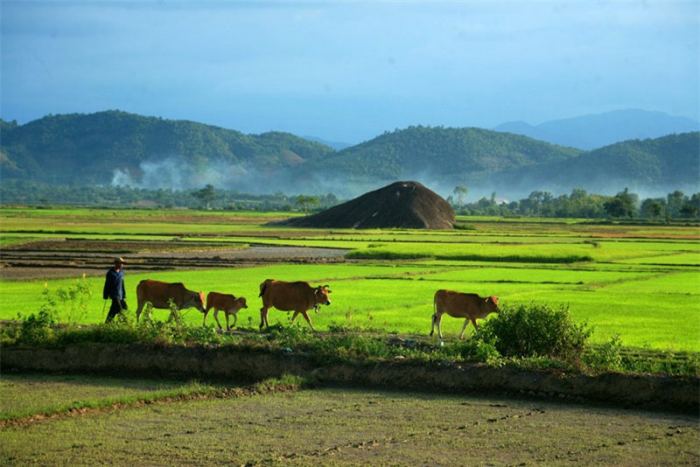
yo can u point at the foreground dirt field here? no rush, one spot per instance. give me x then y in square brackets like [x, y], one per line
[340, 426]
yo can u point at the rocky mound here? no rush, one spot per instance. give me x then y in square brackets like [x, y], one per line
[399, 205]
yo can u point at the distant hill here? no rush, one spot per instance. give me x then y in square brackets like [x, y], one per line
[662, 164]
[94, 148]
[120, 148]
[450, 155]
[594, 131]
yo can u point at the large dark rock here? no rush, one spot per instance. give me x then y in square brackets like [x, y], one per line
[399, 205]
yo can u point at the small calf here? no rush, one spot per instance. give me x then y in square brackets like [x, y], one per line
[226, 303]
[469, 306]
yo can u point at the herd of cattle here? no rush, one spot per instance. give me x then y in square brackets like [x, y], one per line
[299, 297]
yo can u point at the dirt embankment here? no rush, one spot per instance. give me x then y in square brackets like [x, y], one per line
[231, 363]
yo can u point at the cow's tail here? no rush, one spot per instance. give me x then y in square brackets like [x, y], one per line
[433, 318]
[434, 307]
[263, 286]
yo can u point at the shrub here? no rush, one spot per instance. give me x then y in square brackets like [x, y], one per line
[75, 299]
[37, 328]
[606, 356]
[535, 330]
[473, 350]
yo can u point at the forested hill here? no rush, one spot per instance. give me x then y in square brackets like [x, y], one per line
[121, 148]
[88, 148]
[446, 154]
[666, 163]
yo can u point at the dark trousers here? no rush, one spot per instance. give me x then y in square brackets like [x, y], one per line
[116, 308]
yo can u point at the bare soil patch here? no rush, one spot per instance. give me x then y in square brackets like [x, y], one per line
[65, 258]
[353, 427]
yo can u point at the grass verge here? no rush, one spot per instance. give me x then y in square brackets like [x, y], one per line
[16, 411]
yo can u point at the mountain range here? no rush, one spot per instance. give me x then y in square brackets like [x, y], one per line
[115, 147]
[597, 130]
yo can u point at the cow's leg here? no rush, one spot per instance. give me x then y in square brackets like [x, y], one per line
[228, 327]
[139, 308]
[206, 311]
[438, 318]
[432, 323]
[235, 318]
[294, 316]
[476, 328]
[263, 317]
[308, 320]
[461, 334]
[216, 318]
[174, 315]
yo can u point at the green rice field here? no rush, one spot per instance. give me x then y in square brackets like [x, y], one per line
[641, 282]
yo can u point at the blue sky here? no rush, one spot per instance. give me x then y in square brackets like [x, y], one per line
[347, 71]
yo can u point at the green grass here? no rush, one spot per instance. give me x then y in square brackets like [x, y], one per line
[636, 281]
[26, 395]
[399, 297]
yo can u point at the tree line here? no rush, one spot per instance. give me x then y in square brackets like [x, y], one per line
[581, 204]
[14, 192]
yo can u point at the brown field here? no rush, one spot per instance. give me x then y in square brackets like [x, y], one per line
[359, 427]
[61, 258]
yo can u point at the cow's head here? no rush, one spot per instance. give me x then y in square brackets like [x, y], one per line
[321, 295]
[492, 304]
[241, 303]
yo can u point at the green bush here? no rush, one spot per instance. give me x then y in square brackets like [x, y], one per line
[606, 356]
[37, 328]
[535, 330]
[473, 350]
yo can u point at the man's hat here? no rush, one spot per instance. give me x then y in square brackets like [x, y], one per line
[119, 260]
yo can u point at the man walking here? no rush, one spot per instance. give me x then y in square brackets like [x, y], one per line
[114, 289]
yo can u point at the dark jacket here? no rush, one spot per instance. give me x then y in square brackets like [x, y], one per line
[114, 285]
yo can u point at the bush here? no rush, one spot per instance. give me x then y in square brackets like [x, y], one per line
[473, 350]
[37, 328]
[607, 356]
[535, 330]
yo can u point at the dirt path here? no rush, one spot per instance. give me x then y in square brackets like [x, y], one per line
[341, 426]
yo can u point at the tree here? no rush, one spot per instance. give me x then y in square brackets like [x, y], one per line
[674, 203]
[622, 204]
[689, 210]
[206, 195]
[652, 208]
[304, 202]
[460, 192]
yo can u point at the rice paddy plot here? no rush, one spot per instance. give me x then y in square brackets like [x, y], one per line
[640, 282]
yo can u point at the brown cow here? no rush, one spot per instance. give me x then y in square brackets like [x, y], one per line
[291, 296]
[226, 303]
[159, 294]
[469, 306]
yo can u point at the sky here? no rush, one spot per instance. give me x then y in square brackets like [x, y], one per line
[347, 71]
